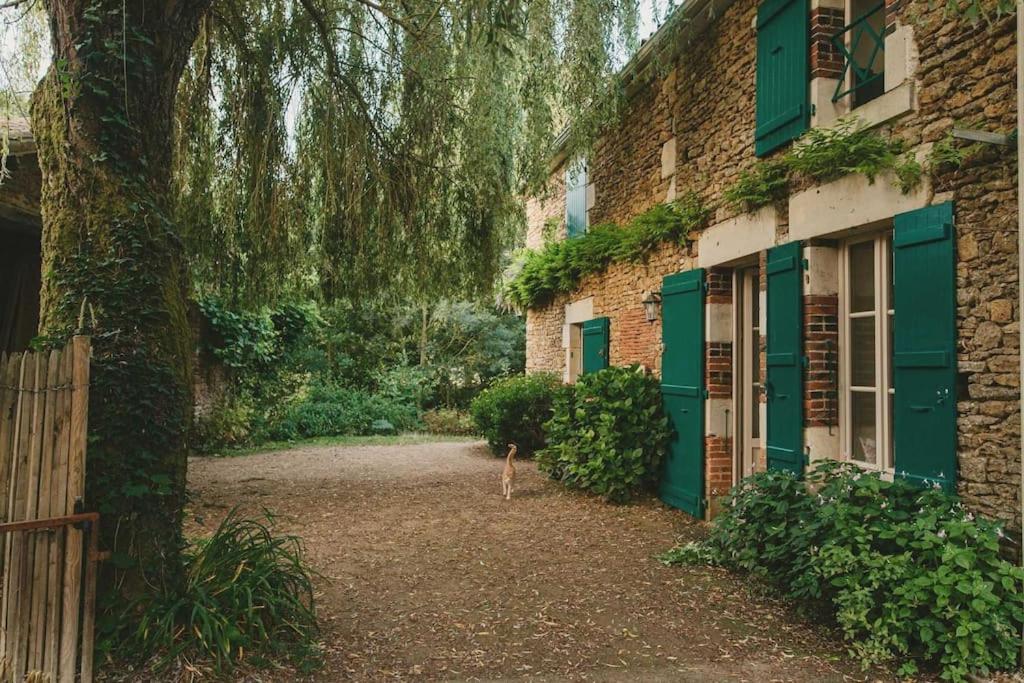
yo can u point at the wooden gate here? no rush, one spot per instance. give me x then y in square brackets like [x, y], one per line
[47, 606]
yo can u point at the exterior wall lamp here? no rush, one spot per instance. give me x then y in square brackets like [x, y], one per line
[651, 302]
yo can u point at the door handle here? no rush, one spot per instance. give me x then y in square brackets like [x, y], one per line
[684, 410]
[922, 409]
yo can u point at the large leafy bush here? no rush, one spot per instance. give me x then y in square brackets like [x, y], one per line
[608, 434]
[908, 574]
[514, 410]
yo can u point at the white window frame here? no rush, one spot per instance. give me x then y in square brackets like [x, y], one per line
[883, 353]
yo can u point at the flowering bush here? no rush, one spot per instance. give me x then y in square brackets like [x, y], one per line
[908, 574]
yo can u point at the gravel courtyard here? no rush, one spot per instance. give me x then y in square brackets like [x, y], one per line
[428, 574]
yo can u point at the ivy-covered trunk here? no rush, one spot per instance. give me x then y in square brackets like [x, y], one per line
[102, 119]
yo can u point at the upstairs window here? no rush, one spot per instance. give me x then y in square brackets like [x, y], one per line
[861, 44]
[576, 199]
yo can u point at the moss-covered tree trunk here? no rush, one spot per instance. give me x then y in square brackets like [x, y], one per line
[102, 119]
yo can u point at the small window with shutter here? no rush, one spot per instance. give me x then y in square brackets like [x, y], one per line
[576, 199]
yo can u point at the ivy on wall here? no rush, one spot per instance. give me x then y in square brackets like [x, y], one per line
[821, 155]
[560, 266]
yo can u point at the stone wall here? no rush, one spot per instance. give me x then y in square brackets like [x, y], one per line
[692, 130]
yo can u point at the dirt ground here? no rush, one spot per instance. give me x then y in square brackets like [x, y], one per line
[428, 574]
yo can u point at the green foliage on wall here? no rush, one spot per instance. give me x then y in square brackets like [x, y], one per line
[560, 266]
[908, 574]
[824, 154]
[608, 435]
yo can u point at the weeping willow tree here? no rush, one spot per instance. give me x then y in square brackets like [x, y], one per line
[251, 147]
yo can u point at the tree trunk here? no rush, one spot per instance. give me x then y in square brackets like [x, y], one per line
[102, 119]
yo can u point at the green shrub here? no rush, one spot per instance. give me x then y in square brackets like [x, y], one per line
[514, 410]
[230, 423]
[448, 421]
[330, 410]
[908, 574]
[608, 434]
[246, 595]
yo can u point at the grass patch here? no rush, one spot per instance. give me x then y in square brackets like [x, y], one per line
[407, 439]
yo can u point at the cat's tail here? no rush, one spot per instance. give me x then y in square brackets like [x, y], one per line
[511, 453]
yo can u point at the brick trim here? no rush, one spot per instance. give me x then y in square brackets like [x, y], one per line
[826, 60]
[821, 346]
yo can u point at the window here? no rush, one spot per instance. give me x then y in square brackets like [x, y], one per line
[861, 44]
[576, 199]
[866, 322]
[575, 352]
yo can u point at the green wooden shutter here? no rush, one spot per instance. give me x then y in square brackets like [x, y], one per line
[683, 389]
[595, 344]
[576, 199]
[783, 73]
[784, 359]
[924, 346]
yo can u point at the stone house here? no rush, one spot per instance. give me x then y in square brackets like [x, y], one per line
[849, 320]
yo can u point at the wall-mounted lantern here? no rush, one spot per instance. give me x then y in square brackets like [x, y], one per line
[651, 302]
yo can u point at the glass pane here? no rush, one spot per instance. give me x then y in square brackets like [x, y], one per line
[755, 412]
[862, 352]
[889, 458]
[887, 246]
[755, 378]
[892, 349]
[755, 297]
[862, 277]
[865, 431]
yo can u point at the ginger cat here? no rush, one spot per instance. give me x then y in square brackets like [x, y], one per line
[508, 475]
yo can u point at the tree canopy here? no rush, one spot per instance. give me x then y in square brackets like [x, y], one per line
[340, 147]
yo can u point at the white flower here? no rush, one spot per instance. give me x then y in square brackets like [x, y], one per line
[884, 505]
[941, 533]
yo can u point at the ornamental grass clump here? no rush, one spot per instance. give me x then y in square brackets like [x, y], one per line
[909, 575]
[608, 434]
[246, 597]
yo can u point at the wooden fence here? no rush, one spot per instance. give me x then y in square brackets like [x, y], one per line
[47, 605]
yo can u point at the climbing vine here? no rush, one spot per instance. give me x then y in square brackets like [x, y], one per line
[560, 266]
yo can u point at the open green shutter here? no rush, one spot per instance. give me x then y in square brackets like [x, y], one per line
[924, 346]
[576, 199]
[783, 73]
[595, 344]
[683, 389]
[784, 359]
